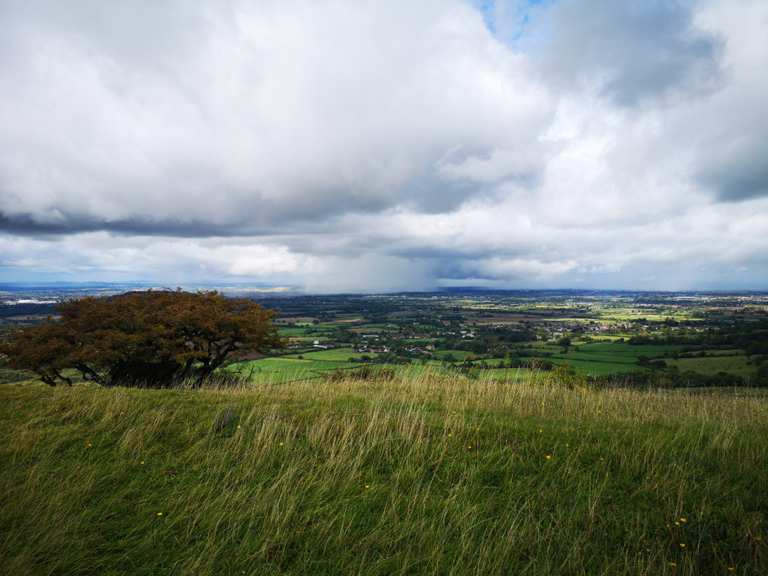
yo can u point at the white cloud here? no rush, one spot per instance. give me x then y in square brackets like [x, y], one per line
[362, 146]
[271, 112]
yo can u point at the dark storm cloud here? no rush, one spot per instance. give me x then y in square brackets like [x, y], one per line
[311, 221]
[737, 170]
[28, 225]
[632, 50]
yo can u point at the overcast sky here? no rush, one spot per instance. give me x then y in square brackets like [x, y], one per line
[370, 145]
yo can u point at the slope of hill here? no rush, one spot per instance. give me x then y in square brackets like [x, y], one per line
[417, 475]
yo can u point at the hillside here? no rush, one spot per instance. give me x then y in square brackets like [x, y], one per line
[412, 475]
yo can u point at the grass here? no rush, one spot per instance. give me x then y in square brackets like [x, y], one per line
[286, 369]
[291, 331]
[459, 355]
[424, 474]
[331, 355]
[595, 367]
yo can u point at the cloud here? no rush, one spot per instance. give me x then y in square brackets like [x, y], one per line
[245, 116]
[732, 128]
[630, 51]
[358, 147]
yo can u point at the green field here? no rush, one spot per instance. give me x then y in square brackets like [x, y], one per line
[738, 365]
[590, 359]
[373, 328]
[588, 367]
[293, 332]
[422, 474]
[602, 358]
[620, 349]
[332, 355]
[605, 358]
[459, 355]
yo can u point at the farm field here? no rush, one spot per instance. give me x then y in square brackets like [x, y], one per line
[592, 359]
[333, 355]
[712, 365]
[457, 354]
[603, 358]
[592, 367]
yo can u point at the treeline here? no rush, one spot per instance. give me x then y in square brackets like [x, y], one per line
[677, 379]
[751, 336]
[11, 310]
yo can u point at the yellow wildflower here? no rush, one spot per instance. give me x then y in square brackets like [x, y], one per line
[159, 513]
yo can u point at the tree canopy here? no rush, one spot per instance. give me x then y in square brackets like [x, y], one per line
[147, 338]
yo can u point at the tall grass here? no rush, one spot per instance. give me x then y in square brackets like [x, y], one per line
[417, 474]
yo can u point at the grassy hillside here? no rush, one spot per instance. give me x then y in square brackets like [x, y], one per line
[417, 475]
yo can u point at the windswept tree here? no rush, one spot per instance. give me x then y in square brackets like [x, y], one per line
[142, 338]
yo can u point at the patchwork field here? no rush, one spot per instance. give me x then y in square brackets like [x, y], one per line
[590, 359]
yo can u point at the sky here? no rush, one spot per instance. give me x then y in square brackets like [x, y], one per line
[366, 146]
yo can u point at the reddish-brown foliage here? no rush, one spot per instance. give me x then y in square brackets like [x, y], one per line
[142, 338]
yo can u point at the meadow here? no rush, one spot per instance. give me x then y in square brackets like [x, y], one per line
[419, 473]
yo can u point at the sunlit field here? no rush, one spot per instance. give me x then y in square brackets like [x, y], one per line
[417, 473]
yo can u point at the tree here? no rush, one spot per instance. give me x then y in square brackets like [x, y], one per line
[142, 338]
[42, 349]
